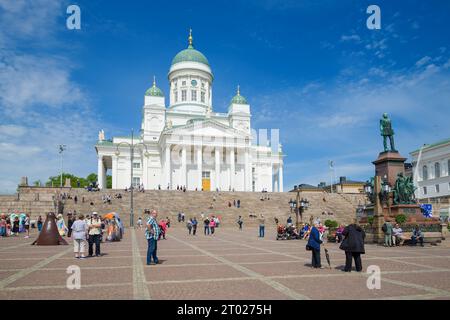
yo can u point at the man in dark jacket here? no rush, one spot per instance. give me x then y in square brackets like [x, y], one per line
[353, 245]
[314, 243]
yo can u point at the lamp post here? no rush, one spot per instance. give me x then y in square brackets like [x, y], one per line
[132, 147]
[299, 205]
[62, 147]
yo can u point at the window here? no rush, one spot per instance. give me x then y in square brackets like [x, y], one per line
[136, 181]
[437, 188]
[136, 165]
[206, 174]
[437, 170]
[194, 95]
[425, 190]
[448, 167]
[425, 173]
[202, 98]
[183, 83]
[176, 96]
[183, 95]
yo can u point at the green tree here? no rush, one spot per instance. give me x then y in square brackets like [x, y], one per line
[331, 224]
[401, 218]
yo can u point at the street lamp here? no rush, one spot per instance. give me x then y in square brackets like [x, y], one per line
[304, 205]
[132, 147]
[62, 147]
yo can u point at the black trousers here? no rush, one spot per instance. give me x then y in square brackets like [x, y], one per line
[316, 258]
[194, 230]
[348, 261]
[94, 239]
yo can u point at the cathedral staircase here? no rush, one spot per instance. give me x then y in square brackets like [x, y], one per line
[39, 201]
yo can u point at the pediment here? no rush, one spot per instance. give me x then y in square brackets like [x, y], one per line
[206, 127]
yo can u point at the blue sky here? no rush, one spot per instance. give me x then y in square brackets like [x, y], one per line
[310, 68]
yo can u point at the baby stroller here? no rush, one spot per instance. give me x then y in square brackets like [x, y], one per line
[281, 232]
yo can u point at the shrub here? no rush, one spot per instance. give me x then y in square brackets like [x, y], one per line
[370, 220]
[401, 218]
[331, 224]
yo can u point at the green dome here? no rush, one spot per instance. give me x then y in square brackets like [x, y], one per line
[238, 99]
[190, 54]
[154, 91]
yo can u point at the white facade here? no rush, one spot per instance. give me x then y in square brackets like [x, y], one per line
[187, 144]
[431, 169]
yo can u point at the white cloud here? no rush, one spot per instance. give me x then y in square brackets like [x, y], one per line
[423, 61]
[342, 118]
[12, 130]
[353, 37]
[41, 105]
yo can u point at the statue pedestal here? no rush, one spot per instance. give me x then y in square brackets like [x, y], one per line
[389, 164]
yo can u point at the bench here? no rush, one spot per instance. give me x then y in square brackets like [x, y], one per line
[432, 238]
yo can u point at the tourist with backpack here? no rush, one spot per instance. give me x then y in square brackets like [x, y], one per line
[189, 226]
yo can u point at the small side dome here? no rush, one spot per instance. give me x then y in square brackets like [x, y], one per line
[238, 99]
[154, 91]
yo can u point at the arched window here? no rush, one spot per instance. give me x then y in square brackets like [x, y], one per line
[424, 173]
[437, 170]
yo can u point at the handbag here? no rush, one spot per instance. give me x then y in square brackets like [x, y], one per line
[308, 247]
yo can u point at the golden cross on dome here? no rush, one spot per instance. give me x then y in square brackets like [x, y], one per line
[190, 37]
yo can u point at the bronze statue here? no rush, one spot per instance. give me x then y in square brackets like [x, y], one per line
[404, 190]
[49, 235]
[387, 132]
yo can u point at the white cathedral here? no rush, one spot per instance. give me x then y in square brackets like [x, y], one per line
[187, 144]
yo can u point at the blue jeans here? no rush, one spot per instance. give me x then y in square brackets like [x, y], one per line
[151, 250]
[206, 230]
[2, 231]
[261, 231]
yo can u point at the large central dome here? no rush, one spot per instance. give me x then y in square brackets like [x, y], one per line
[190, 54]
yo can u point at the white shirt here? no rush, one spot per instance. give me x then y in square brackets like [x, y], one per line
[79, 229]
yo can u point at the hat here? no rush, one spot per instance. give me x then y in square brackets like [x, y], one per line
[94, 213]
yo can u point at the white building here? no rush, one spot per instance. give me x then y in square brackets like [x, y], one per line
[431, 170]
[188, 144]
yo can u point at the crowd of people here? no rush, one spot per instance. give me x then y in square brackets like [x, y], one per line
[14, 224]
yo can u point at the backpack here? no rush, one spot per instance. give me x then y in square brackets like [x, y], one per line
[384, 227]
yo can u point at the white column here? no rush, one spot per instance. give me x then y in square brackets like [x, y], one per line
[100, 172]
[217, 169]
[114, 172]
[199, 168]
[145, 170]
[167, 169]
[270, 186]
[183, 166]
[232, 169]
[247, 171]
[280, 178]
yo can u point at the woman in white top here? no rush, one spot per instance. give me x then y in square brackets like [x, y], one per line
[79, 232]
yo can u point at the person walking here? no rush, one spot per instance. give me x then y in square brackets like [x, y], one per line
[262, 222]
[212, 225]
[70, 222]
[387, 229]
[189, 226]
[206, 226]
[26, 223]
[314, 243]
[152, 235]
[353, 245]
[240, 222]
[39, 223]
[79, 228]
[94, 227]
[194, 226]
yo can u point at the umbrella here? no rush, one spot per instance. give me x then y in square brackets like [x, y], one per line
[328, 257]
[109, 215]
